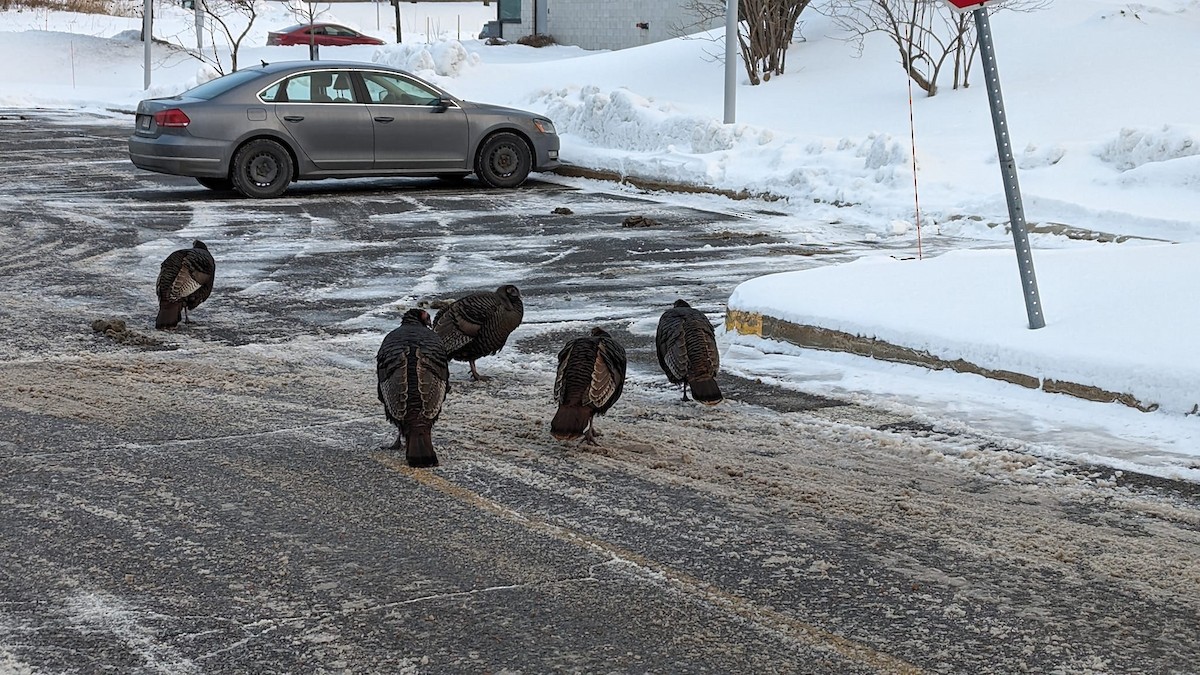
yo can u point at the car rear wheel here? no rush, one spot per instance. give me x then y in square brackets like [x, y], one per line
[218, 184]
[504, 160]
[262, 169]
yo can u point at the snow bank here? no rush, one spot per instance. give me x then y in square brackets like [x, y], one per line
[446, 58]
[1104, 325]
[1134, 147]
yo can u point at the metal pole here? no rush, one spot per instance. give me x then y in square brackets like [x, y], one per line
[314, 49]
[198, 5]
[396, 4]
[731, 52]
[147, 38]
[1008, 170]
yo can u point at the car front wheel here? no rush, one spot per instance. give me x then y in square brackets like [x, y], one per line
[504, 160]
[262, 169]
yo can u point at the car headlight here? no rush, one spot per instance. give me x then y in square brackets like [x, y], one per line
[545, 126]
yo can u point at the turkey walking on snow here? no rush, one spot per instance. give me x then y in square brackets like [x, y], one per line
[687, 352]
[479, 324]
[591, 374]
[185, 281]
[414, 376]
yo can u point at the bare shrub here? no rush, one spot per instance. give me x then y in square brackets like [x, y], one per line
[925, 33]
[80, 6]
[765, 31]
[234, 18]
[536, 40]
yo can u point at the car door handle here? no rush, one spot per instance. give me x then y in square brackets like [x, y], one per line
[294, 118]
[384, 120]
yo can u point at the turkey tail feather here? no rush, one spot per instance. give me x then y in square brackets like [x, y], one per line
[418, 448]
[570, 422]
[706, 391]
[169, 314]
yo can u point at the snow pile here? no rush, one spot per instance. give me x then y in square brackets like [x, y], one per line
[445, 58]
[637, 123]
[1134, 147]
[1038, 157]
[622, 131]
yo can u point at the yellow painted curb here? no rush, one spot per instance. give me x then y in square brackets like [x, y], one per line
[815, 337]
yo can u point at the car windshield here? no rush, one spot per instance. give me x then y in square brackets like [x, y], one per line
[214, 88]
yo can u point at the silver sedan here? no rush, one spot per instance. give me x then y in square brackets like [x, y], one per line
[258, 129]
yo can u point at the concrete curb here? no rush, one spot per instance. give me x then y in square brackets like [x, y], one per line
[815, 337]
[658, 185]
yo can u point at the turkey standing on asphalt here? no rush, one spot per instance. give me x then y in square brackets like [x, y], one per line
[185, 281]
[591, 374]
[479, 324]
[687, 352]
[414, 377]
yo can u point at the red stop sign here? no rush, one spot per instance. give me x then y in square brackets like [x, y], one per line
[969, 5]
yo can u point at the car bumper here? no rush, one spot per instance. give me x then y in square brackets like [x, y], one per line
[179, 155]
[545, 153]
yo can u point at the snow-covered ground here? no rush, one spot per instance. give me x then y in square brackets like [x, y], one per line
[1107, 141]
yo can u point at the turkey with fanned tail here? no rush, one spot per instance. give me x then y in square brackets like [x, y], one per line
[185, 280]
[414, 376]
[687, 351]
[479, 324]
[591, 375]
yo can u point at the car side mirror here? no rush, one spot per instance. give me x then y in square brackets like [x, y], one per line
[441, 104]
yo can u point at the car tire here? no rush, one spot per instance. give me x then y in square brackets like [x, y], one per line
[504, 160]
[262, 169]
[218, 184]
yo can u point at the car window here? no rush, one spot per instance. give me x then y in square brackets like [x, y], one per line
[320, 87]
[340, 32]
[396, 90]
[219, 86]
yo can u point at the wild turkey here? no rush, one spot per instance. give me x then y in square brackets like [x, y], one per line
[687, 352]
[591, 375]
[414, 377]
[479, 324]
[184, 281]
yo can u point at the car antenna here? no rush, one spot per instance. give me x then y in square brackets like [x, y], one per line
[265, 64]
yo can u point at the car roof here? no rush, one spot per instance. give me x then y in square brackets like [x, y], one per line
[286, 66]
[315, 24]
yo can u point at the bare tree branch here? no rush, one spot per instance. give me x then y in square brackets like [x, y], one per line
[228, 15]
[765, 30]
[925, 32]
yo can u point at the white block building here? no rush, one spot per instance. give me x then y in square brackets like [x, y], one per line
[608, 24]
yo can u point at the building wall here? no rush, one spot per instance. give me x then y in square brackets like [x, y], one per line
[611, 24]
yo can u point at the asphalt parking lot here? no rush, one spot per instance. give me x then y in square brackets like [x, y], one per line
[214, 499]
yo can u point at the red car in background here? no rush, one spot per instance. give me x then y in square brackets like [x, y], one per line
[323, 34]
